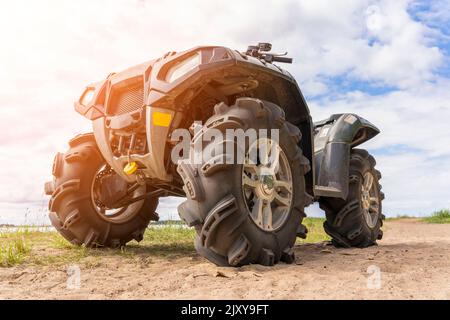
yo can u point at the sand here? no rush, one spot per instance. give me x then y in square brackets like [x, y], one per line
[413, 261]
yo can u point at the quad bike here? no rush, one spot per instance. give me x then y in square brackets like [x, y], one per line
[105, 188]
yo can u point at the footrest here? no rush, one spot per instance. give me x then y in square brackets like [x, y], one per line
[326, 191]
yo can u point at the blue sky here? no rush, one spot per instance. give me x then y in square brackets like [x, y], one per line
[388, 61]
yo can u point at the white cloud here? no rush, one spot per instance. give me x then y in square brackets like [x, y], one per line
[52, 49]
[414, 117]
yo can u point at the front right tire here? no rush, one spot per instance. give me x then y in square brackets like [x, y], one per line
[73, 209]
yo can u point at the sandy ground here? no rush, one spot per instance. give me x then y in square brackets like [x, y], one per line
[413, 259]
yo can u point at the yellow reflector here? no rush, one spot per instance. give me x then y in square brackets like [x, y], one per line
[161, 119]
[130, 168]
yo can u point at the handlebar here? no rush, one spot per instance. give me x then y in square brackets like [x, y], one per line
[283, 59]
[261, 52]
[268, 57]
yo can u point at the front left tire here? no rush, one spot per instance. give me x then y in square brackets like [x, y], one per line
[251, 212]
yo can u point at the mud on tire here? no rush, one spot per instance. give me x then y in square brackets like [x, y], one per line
[215, 205]
[71, 208]
[347, 222]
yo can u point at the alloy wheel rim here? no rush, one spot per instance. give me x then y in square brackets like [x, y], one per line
[267, 185]
[369, 200]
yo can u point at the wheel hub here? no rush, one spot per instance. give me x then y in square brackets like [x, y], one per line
[107, 190]
[268, 182]
[266, 186]
[111, 188]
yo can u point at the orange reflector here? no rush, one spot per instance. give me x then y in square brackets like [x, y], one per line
[161, 119]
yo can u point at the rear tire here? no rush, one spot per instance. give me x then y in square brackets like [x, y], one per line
[356, 221]
[72, 210]
[216, 205]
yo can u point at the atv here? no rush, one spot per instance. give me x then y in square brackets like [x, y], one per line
[105, 188]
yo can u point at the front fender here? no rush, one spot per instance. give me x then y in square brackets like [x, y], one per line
[334, 138]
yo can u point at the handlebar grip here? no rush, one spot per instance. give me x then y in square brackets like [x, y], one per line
[283, 59]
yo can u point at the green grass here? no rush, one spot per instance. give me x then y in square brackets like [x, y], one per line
[29, 246]
[400, 216]
[315, 231]
[37, 247]
[169, 240]
[441, 216]
[13, 251]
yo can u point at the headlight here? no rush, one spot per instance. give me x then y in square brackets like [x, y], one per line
[183, 67]
[87, 96]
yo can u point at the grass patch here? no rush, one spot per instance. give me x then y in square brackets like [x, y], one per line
[13, 252]
[315, 231]
[441, 216]
[41, 247]
[35, 247]
[399, 217]
[169, 240]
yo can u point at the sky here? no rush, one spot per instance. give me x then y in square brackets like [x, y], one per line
[388, 61]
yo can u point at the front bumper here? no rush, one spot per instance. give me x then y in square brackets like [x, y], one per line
[152, 164]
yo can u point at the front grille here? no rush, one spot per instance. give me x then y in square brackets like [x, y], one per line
[127, 99]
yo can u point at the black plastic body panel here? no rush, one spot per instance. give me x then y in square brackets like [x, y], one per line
[333, 141]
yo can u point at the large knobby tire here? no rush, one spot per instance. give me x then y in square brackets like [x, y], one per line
[226, 233]
[356, 221]
[72, 210]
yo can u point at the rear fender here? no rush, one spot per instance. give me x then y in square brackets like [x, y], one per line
[334, 138]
